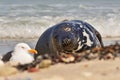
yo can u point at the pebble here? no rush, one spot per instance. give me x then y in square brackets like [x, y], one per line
[45, 63]
[33, 69]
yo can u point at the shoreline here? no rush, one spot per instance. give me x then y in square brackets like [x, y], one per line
[7, 45]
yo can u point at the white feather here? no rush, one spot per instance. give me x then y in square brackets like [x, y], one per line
[21, 54]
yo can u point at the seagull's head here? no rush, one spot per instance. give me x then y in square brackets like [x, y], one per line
[23, 47]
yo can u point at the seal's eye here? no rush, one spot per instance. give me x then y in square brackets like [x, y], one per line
[67, 29]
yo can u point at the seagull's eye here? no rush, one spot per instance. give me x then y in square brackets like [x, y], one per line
[23, 47]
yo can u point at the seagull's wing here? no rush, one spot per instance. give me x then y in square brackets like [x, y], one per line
[7, 56]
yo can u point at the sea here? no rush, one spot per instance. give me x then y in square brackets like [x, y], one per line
[26, 20]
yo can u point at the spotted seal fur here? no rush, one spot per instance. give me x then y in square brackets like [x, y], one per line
[71, 36]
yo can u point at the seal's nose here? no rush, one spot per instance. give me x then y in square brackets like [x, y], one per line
[66, 41]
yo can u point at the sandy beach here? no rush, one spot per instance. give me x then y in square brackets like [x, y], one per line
[88, 70]
[85, 70]
[25, 20]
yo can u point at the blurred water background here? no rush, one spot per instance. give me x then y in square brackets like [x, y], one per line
[28, 19]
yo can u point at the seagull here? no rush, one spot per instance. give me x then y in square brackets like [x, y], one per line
[21, 54]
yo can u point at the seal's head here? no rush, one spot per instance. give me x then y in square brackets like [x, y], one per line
[65, 38]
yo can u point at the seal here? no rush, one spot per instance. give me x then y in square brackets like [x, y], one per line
[69, 36]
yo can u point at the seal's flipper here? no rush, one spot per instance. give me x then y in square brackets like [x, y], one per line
[99, 38]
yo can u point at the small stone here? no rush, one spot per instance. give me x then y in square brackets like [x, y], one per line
[72, 58]
[117, 68]
[45, 63]
[33, 69]
[104, 74]
[86, 65]
[109, 56]
[67, 58]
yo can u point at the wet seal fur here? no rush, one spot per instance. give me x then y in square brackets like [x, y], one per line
[71, 36]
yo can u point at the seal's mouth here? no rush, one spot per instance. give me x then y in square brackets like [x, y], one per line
[68, 44]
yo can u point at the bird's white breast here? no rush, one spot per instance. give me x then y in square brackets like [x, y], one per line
[22, 58]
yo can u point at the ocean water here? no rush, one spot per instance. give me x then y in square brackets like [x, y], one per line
[28, 19]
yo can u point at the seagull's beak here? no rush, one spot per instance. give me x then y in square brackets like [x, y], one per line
[33, 51]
